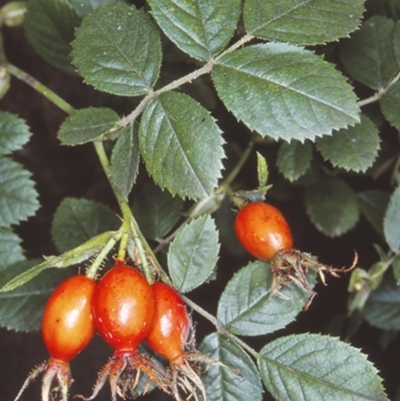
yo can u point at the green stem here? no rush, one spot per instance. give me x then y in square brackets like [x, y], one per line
[239, 165]
[39, 87]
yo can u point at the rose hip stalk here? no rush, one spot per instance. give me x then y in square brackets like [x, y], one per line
[67, 327]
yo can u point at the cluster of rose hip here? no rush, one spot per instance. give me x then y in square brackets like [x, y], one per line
[125, 310]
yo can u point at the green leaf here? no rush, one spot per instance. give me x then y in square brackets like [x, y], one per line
[390, 104]
[22, 309]
[368, 56]
[332, 206]
[262, 170]
[396, 268]
[18, 197]
[373, 204]
[10, 248]
[316, 367]
[84, 7]
[70, 258]
[223, 384]
[181, 145]
[125, 158]
[391, 222]
[50, 26]
[284, 91]
[193, 254]
[303, 22]
[294, 159]
[14, 133]
[118, 50]
[77, 220]
[85, 125]
[201, 28]
[354, 148]
[246, 308]
[383, 306]
[156, 211]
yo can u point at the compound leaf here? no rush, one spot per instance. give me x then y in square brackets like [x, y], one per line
[118, 50]
[18, 197]
[246, 308]
[193, 254]
[85, 125]
[201, 28]
[181, 145]
[284, 91]
[391, 222]
[14, 133]
[50, 26]
[302, 22]
[354, 148]
[220, 382]
[316, 367]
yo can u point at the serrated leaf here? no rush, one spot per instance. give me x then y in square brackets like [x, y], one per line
[332, 206]
[316, 367]
[221, 383]
[70, 258]
[354, 148]
[22, 309]
[246, 307]
[50, 26]
[125, 158]
[14, 133]
[373, 204]
[284, 91]
[391, 222]
[368, 56]
[199, 28]
[181, 145]
[262, 170]
[118, 50]
[383, 305]
[193, 254]
[10, 248]
[18, 197]
[302, 22]
[84, 7]
[390, 104]
[88, 124]
[156, 211]
[77, 220]
[294, 159]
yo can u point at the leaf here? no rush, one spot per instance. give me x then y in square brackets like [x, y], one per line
[294, 159]
[18, 197]
[390, 103]
[396, 268]
[84, 7]
[88, 124]
[316, 367]
[70, 258]
[200, 28]
[383, 305]
[262, 170]
[354, 148]
[14, 133]
[181, 145]
[50, 26]
[368, 56]
[193, 254]
[246, 307]
[125, 159]
[284, 91]
[332, 206]
[10, 248]
[22, 309]
[373, 204]
[223, 384]
[391, 222]
[77, 220]
[117, 49]
[303, 22]
[156, 211]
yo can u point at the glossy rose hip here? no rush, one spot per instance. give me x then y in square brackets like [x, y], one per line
[262, 230]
